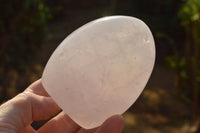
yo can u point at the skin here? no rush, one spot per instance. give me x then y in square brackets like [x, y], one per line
[35, 104]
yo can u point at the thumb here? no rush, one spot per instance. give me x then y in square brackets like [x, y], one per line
[114, 124]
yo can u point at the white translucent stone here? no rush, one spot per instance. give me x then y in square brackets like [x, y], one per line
[100, 69]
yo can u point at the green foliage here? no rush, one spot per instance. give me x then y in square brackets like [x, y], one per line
[178, 65]
[190, 12]
[187, 66]
[22, 31]
[23, 26]
[189, 15]
[190, 18]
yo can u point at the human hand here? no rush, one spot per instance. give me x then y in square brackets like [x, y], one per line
[35, 104]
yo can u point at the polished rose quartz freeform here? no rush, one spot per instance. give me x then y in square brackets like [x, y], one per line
[100, 69]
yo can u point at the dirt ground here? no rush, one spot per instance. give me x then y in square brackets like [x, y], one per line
[158, 110]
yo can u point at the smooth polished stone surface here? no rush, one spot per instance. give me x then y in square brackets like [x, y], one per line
[100, 69]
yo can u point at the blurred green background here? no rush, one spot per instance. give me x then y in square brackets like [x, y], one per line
[30, 30]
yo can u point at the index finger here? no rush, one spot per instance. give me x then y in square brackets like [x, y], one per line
[37, 88]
